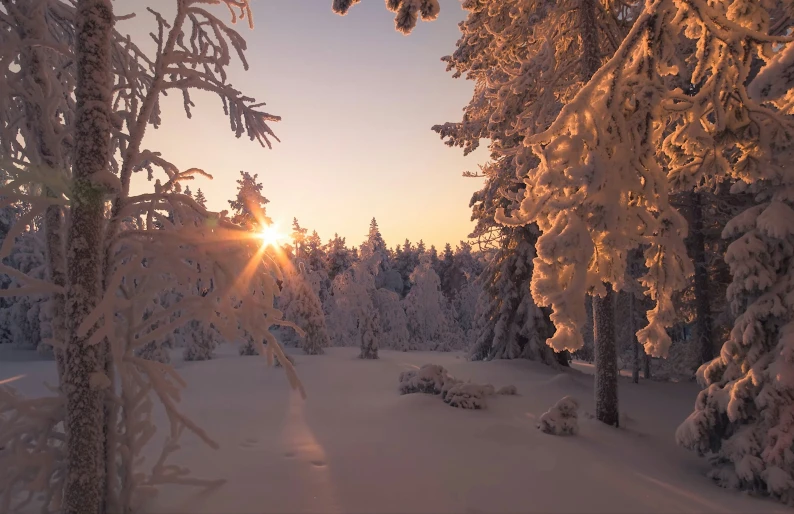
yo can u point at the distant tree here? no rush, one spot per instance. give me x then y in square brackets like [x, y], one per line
[338, 256]
[431, 318]
[393, 322]
[298, 237]
[306, 311]
[248, 207]
[200, 199]
[356, 317]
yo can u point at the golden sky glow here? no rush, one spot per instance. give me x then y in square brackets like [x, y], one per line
[357, 101]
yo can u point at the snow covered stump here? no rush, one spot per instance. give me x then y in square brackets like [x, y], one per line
[562, 419]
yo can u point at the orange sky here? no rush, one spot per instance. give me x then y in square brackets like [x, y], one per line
[357, 101]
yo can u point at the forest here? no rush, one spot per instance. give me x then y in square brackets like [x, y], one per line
[628, 280]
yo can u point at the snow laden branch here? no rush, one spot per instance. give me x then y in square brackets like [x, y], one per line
[406, 12]
[596, 189]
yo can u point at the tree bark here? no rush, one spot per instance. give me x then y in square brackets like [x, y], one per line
[606, 359]
[704, 323]
[85, 364]
[635, 369]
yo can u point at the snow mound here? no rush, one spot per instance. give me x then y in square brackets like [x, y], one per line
[435, 379]
[562, 418]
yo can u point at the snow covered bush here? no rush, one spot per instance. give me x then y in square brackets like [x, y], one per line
[467, 395]
[562, 419]
[355, 313]
[200, 341]
[436, 380]
[429, 379]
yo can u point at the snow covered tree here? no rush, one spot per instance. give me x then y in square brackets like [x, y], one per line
[298, 238]
[375, 245]
[93, 93]
[431, 319]
[465, 303]
[201, 340]
[306, 312]
[508, 324]
[405, 260]
[338, 256]
[354, 314]
[393, 322]
[22, 317]
[528, 60]
[597, 179]
[248, 207]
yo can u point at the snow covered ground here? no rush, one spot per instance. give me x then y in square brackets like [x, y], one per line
[356, 445]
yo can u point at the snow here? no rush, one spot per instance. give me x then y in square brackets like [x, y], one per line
[356, 445]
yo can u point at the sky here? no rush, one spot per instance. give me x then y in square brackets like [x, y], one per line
[357, 100]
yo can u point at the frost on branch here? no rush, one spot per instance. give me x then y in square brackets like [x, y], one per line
[32, 452]
[407, 12]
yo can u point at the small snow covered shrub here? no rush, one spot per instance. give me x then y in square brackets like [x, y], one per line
[468, 395]
[429, 379]
[201, 342]
[508, 390]
[562, 419]
[435, 379]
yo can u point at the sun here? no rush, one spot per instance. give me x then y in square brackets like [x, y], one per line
[270, 235]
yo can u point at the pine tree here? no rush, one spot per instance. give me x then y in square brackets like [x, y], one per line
[298, 237]
[200, 199]
[188, 192]
[508, 324]
[375, 245]
[354, 313]
[338, 257]
[248, 207]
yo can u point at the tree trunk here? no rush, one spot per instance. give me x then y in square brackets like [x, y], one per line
[84, 371]
[704, 322]
[588, 32]
[635, 369]
[606, 359]
[646, 374]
